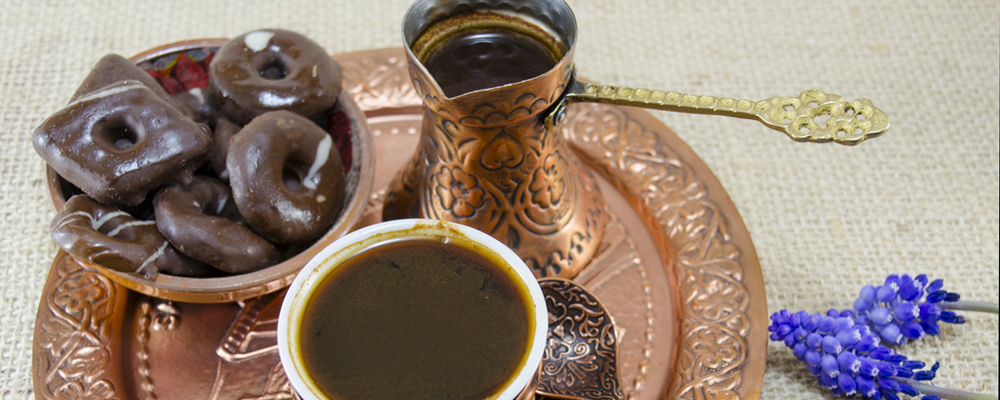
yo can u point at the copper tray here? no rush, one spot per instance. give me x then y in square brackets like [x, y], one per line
[677, 270]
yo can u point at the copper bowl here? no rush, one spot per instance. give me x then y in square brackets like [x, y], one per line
[360, 176]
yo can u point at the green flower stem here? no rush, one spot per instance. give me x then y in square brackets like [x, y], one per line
[945, 393]
[962, 305]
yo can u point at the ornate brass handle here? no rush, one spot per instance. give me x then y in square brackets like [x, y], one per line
[813, 116]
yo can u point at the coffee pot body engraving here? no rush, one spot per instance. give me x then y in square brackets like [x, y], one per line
[486, 158]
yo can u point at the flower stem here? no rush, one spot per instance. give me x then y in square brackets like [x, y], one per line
[945, 393]
[963, 305]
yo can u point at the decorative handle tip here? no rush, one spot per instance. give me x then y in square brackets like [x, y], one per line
[816, 116]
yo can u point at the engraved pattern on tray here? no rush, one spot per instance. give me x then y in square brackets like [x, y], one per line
[73, 335]
[714, 299]
[379, 82]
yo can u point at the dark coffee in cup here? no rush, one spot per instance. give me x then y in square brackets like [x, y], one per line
[417, 319]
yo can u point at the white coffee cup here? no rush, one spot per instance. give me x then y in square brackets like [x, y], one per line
[335, 254]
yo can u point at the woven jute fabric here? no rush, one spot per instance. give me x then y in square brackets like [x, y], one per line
[825, 219]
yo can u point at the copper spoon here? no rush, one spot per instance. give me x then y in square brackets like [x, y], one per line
[581, 356]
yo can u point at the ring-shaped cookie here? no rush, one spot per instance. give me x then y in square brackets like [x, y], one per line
[287, 177]
[112, 239]
[201, 221]
[271, 70]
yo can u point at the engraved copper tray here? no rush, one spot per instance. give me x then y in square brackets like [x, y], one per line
[676, 269]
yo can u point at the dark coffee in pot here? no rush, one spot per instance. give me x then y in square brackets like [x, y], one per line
[475, 60]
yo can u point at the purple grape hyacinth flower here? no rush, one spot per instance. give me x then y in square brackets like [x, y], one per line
[905, 308]
[847, 357]
[844, 351]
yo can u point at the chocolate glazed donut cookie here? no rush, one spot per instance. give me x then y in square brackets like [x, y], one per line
[120, 142]
[113, 239]
[287, 177]
[201, 221]
[271, 70]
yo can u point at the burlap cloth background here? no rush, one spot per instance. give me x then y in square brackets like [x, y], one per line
[825, 219]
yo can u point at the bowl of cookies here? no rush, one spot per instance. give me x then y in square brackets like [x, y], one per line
[210, 170]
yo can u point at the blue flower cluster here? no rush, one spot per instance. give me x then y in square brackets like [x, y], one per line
[847, 357]
[844, 349]
[905, 308]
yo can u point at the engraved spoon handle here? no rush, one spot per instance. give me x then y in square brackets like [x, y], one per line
[813, 116]
[583, 339]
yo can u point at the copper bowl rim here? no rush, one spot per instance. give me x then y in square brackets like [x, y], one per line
[275, 277]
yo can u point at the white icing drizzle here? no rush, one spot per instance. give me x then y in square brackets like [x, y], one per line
[69, 218]
[114, 232]
[98, 223]
[258, 40]
[273, 100]
[320, 198]
[222, 204]
[224, 174]
[196, 92]
[111, 91]
[104, 219]
[322, 154]
[152, 258]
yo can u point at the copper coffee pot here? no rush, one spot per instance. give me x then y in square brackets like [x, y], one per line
[494, 159]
